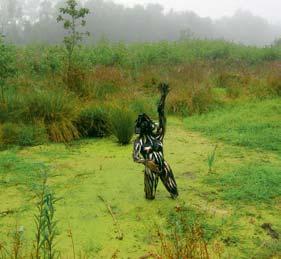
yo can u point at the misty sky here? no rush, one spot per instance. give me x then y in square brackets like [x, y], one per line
[269, 9]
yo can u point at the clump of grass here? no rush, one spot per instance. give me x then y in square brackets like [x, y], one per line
[94, 122]
[211, 159]
[75, 80]
[269, 249]
[17, 244]
[192, 99]
[3, 250]
[13, 108]
[251, 183]
[122, 121]
[178, 104]
[184, 236]
[274, 83]
[57, 110]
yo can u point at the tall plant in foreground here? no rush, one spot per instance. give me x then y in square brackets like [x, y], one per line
[73, 19]
[122, 121]
[211, 159]
[46, 225]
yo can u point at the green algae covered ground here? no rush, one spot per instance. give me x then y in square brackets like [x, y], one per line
[240, 194]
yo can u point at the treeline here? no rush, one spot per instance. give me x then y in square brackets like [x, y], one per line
[30, 21]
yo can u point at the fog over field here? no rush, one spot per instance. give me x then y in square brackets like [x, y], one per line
[253, 22]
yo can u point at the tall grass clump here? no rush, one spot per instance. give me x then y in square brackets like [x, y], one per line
[211, 159]
[94, 122]
[57, 110]
[12, 109]
[122, 121]
[192, 99]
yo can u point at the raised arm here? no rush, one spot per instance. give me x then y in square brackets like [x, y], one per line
[164, 89]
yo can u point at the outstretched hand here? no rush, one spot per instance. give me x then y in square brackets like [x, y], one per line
[164, 89]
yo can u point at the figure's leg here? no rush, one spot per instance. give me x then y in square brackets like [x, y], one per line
[168, 180]
[150, 184]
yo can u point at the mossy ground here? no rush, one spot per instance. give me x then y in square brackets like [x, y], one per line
[80, 172]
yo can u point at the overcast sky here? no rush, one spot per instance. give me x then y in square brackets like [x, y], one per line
[269, 9]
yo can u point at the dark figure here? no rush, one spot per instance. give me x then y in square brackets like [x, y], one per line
[148, 150]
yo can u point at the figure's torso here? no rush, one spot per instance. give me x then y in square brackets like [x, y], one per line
[152, 149]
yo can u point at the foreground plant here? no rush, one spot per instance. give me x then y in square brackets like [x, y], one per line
[211, 159]
[46, 225]
[122, 121]
[183, 237]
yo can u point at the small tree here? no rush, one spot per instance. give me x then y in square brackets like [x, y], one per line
[7, 69]
[72, 18]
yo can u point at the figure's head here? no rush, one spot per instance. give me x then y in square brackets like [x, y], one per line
[144, 125]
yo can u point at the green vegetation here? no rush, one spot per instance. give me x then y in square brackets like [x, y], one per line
[72, 18]
[203, 78]
[250, 183]
[46, 226]
[94, 122]
[227, 92]
[224, 210]
[7, 65]
[123, 122]
[254, 124]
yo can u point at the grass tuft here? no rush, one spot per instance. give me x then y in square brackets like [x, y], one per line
[250, 183]
[122, 121]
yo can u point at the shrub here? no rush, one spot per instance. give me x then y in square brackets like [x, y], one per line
[57, 110]
[75, 79]
[185, 235]
[32, 135]
[274, 83]
[201, 100]
[122, 121]
[13, 108]
[22, 135]
[178, 101]
[9, 134]
[94, 122]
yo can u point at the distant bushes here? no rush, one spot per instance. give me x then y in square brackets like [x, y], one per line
[189, 100]
[203, 75]
[144, 54]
